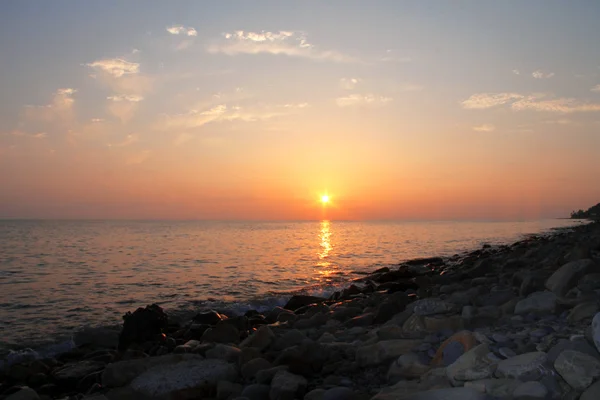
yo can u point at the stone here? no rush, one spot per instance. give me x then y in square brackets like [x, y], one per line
[121, 373]
[414, 324]
[265, 376]
[25, 393]
[454, 347]
[184, 379]
[577, 369]
[227, 390]
[339, 393]
[506, 352]
[299, 301]
[208, 317]
[407, 366]
[432, 306]
[274, 314]
[290, 338]
[567, 276]
[224, 352]
[390, 307]
[500, 388]
[221, 333]
[538, 302]
[583, 311]
[385, 350]
[256, 392]
[252, 367]
[71, 374]
[595, 331]
[524, 366]
[530, 391]
[439, 323]
[287, 386]
[315, 394]
[472, 365]
[458, 393]
[143, 325]
[578, 344]
[361, 320]
[261, 339]
[592, 392]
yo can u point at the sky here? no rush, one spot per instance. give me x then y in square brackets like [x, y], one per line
[254, 110]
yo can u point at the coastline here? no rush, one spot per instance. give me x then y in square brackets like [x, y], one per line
[386, 332]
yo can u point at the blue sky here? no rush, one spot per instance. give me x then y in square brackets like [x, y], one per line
[270, 103]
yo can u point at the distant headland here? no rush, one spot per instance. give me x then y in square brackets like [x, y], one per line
[591, 213]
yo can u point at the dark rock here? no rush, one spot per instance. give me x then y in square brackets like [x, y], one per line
[388, 308]
[37, 380]
[222, 333]
[209, 317]
[480, 268]
[425, 261]
[71, 374]
[567, 276]
[381, 270]
[142, 325]
[349, 292]
[85, 384]
[298, 301]
[394, 287]
[394, 276]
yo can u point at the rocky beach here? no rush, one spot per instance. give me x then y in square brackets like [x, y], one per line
[501, 322]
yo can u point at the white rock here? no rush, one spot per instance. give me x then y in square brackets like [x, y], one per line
[432, 306]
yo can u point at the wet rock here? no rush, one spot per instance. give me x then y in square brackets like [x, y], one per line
[184, 379]
[298, 301]
[227, 390]
[361, 320]
[530, 391]
[256, 392]
[577, 369]
[345, 313]
[567, 276]
[143, 325]
[287, 386]
[252, 367]
[388, 308]
[221, 333]
[432, 306]
[538, 302]
[472, 365]
[25, 393]
[208, 317]
[274, 314]
[386, 350]
[524, 366]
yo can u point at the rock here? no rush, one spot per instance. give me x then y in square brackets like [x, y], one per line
[530, 391]
[495, 298]
[388, 308]
[345, 313]
[298, 301]
[274, 314]
[454, 347]
[440, 323]
[472, 365]
[567, 276]
[386, 350]
[121, 373]
[224, 352]
[266, 375]
[592, 392]
[407, 366]
[256, 392]
[432, 306]
[227, 390]
[339, 393]
[98, 337]
[361, 320]
[209, 317]
[24, 394]
[459, 393]
[524, 366]
[506, 352]
[144, 324]
[581, 345]
[577, 369]
[184, 379]
[252, 367]
[500, 388]
[316, 394]
[538, 302]
[221, 333]
[71, 374]
[583, 311]
[261, 339]
[414, 324]
[287, 386]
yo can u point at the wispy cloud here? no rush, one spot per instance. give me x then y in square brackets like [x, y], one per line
[19, 133]
[116, 67]
[595, 88]
[182, 30]
[533, 102]
[488, 100]
[349, 83]
[362, 100]
[126, 97]
[391, 56]
[484, 128]
[124, 106]
[516, 72]
[60, 109]
[539, 74]
[290, 43]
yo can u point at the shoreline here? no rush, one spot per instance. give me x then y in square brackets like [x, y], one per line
[391, 331]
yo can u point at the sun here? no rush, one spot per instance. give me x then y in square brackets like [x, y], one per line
[325, 199]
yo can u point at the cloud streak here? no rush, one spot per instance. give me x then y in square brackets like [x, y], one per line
[182, 30]
[289, 43]
[532, 102]
[362, 100]
[484, 128]
[539, 74]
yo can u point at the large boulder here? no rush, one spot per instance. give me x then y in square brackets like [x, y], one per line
[144, 324]
[538, 302]
[567, 276]
[184, 380]
[579, 370]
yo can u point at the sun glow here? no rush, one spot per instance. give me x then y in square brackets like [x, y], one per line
[325, 199]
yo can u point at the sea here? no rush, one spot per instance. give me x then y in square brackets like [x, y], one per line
[59, 276]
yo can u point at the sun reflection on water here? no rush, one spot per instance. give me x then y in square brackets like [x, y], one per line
[325, 248]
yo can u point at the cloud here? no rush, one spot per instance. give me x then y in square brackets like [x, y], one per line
[349, 83]
[516, 72]
[125, 97]
[180, 29]
[115, 66]
[359, 99]
[595, 88]
[532, 102]
[293, 44]
[539, 74]
[484, 128]
[123, 106]
[19, 133]
[130, 139]
[488, 100]
[60, 108]
[96, 120]
[561, 121]
[390, 56]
